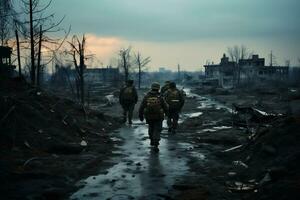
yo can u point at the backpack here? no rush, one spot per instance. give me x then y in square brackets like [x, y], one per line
[173, 99]
[154, 110]
[128, 94]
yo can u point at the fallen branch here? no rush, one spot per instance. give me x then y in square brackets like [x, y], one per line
[233, 148]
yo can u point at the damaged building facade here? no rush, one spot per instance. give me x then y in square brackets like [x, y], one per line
[228, 73]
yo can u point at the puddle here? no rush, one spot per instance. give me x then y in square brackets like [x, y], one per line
[140, 173]
[205, 103]
[194, 115]
[213, 129]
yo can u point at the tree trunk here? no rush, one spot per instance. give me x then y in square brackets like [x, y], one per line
[81, 68]
[18, 52]
[38, 78]
[140, 75]
[32, 71]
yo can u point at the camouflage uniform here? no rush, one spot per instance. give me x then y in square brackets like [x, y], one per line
[154, 117]
[128, 103]
[175, 106]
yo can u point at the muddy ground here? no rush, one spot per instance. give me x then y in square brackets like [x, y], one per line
[48, 158]
[198, 163]
[49, 143]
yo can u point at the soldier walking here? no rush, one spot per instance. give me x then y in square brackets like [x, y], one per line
[128, 98]
[153, 107]
[175, 99]
[165, 87]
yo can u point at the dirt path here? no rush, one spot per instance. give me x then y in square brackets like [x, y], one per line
[184, 167]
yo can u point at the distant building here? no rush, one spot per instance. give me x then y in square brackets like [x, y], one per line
[221, 73]
[108, 74]
[255, 69]
[164, 70]
[249, 70]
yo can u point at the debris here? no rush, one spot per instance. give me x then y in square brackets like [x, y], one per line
[27, 145]
[64, 122]
[239, 163]
[29, 160]
[233, 148]
[82, 130]
[232, 173]
[40, 131]
[267, 178]
[83, 143]
[242, 187]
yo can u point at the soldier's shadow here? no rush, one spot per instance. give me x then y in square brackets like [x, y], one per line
[153, 183]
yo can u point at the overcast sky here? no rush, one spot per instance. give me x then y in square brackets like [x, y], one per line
[188, 32]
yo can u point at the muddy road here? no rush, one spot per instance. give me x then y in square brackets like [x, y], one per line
[189, 165]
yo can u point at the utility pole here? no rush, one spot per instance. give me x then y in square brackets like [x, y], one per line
[178, 68]
[271, 59]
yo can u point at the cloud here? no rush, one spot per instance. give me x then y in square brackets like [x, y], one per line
[103, 48]
[178, 20]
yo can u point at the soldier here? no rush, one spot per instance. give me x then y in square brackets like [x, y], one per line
[175, 100]
[165, 87]
[153, 107]
[128, 98]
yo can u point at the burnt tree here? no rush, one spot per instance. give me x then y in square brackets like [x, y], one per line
[141, 64]
[78, 53]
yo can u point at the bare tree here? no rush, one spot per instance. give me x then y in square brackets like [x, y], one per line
[40, 24]
[78, 52]
[141, 64]
[235, 54]
[125, 61]
[6, 20]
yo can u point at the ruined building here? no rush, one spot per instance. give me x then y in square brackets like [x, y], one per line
[249, 70]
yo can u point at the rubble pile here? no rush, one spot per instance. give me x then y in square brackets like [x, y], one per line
[48, 141]
[273, 161]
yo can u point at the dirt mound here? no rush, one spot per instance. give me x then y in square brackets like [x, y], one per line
[273, 161]
[48, 141]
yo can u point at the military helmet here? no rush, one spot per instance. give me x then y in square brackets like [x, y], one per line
[172, 85]
[155, 86]
[129, 82]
